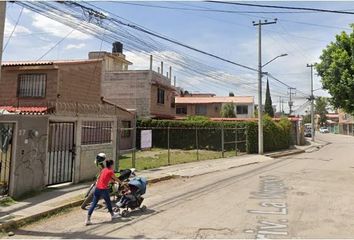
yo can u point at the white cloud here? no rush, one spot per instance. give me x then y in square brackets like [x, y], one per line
[55, 28]
[75, 46]
[19, 29]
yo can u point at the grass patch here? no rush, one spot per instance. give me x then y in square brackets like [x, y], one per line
[7, 201]
[157, 157]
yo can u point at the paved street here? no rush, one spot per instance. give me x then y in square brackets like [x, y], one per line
[309, 195]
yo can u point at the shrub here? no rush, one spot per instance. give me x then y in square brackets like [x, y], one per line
[183, 134]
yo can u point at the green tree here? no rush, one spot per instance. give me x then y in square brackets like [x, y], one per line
[306, 119]
[268, 108]
[336, 69]
[321, 110]
[231, 94]
[228, 110]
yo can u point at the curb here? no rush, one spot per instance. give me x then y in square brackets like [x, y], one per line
[283, 154]
[14, 224]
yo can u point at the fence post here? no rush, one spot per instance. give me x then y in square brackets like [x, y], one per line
[168, 146]
[134, 142]
[222, 139]
[196, 142]
[116, 166]
[235, 140]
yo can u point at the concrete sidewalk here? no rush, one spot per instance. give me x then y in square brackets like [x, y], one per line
[55, 199]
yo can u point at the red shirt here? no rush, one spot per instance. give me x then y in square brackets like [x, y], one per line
[104, 178]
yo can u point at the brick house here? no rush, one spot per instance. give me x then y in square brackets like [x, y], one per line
[53, 122]
[147, 92]
[210, 105]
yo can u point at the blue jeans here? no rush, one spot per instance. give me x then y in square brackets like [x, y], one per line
[96, 197]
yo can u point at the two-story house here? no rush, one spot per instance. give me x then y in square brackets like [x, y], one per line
[147, 92]
[54, 121]
[210, 105]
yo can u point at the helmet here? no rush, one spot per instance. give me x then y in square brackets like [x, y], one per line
[100, 158]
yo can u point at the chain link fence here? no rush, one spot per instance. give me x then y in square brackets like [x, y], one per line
[153, 147]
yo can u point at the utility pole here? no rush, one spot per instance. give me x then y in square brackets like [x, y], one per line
[2, 27]
[312, 98]
[291, 103]
[260, 73]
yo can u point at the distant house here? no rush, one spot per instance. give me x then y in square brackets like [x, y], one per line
[210, 105]
[147, 92]
[345, 123]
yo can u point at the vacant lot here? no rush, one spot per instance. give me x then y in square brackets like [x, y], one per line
[159, 157]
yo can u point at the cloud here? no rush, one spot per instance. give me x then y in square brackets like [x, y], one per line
[75, 46]
[56, 29]
[19, 29]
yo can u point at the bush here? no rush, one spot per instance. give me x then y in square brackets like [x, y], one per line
[183, 134]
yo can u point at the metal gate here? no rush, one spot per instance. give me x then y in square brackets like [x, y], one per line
[61, 152]
[6, 133]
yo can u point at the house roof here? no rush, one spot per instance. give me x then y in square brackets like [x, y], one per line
[36, 63]
[24, 110]
[199, 100]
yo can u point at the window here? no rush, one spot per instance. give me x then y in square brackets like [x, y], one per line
[125, 133]
[160, 96]
[201, 110]
[32, 85]
[96, 132]
[181, 110]
[242, 109]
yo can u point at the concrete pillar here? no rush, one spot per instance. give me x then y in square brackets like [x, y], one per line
[170, 74]
[161, 68]
[77, 160]
[150, 62]
[2, 27]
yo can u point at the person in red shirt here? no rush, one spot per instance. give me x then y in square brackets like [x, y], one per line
[102, 190]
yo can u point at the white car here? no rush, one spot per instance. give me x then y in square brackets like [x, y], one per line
[324, 130]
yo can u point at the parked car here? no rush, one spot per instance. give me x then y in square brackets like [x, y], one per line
[307, 133]
[324, 130]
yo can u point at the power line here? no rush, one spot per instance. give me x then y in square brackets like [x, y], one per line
[283, 7]
[55, 45]
[13, 30]
[207, 10]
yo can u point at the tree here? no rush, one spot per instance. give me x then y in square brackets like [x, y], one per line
[336, 69]
[268, 108]
[321, 110]
[231, 94]
[228, 111]
[306, 119]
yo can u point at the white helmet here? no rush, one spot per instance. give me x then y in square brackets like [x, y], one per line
[100, 158]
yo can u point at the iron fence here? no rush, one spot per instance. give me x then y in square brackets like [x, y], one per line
[160, 146]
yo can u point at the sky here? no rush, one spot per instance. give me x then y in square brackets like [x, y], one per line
[301, 35]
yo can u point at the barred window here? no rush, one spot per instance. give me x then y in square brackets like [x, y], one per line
[126, 132]
[32, 85]
[96, 132]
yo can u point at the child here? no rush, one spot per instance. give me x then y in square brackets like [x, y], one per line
[102, 189]
[128, 195]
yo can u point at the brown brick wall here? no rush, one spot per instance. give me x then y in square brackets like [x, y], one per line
[9, 85]
[163, 109]
[128, 89]
[80, 82]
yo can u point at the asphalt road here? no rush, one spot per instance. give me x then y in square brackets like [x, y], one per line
[310, 195]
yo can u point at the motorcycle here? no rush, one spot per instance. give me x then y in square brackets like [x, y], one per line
[114, 188]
